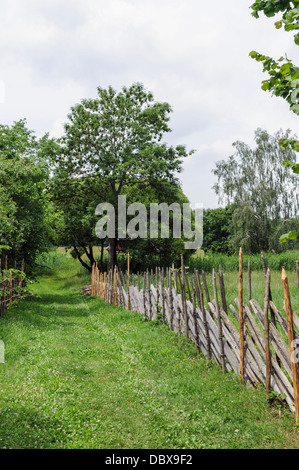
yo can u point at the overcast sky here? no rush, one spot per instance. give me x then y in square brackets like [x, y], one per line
[192, 54]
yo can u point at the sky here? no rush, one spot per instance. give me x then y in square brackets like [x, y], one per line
[192, 54]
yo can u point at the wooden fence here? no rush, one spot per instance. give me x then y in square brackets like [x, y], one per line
[261, 354]
[11, 285]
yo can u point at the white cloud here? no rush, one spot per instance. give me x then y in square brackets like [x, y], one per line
[191, 54]
[2, 91]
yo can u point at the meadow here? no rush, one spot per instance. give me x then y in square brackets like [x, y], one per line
[80, 373]
[230, 264]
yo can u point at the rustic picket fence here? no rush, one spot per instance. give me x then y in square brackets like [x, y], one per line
[11, 285]
[261, 354]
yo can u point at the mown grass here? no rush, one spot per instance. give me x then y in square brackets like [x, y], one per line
[79, 373]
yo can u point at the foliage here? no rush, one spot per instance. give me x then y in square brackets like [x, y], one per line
[117, 138]
[217, 225]
[261, 189]
[283, 81]
[23, 200]
[77, 203]
[151, 252]
[284, 75]
[10, 275]
[275, 261]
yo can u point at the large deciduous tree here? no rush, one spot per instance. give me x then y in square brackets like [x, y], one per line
[24, 203]
[117, 137]
[261, 189]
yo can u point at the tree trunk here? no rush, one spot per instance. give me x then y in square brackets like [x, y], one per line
[89, 254]
[102, 254]
[85, 265]
[112, 253]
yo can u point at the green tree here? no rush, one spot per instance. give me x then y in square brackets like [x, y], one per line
[149, 252]
[117, 138]
[75, 205]
[283, 78]
[75, 201]
[261, 189]
[24, 174]
[217, 227]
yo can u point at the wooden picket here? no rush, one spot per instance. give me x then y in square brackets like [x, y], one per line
[11, 284]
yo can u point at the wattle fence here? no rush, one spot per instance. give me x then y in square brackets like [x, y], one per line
[264, 352]
[11, 285]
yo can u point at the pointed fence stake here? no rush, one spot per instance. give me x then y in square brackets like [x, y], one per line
[241, 318]
[128, 281]
[183, 294]
[222, 357]
[203, 311]
[222, 289]
[267, 334]
[289, 314]
[249, 280]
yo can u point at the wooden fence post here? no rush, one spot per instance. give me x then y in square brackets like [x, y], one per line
[222, 357]
[170, 299]
[183, 295]
[149, 295]
[157, 290]
[203, 311]
[222, 289]
[290, 327]
[175, 279]
[101, 285]
[143, 293]
[241, 318]
[264, 263]
[98, 282]
[187, 285]
[162, 294]
[128, 281]
[249, 281]
[115, 286]
[267, 337]
[105, 286]
[119, 282]
[205, 286]
[195, 317]
[272, 314]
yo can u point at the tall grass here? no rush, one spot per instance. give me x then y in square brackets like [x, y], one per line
[231, 263]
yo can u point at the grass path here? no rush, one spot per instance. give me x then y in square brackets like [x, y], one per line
[81, 374]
